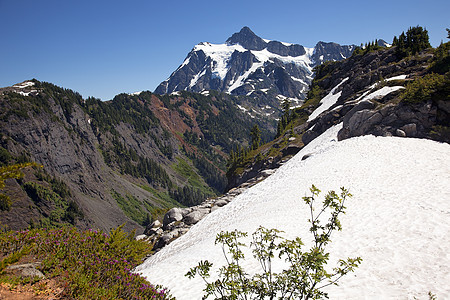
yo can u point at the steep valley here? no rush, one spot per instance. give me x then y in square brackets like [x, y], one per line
[127, 160]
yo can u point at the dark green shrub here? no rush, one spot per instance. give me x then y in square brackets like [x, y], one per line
[431, 86]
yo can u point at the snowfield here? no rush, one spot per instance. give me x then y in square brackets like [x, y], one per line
[327, 101]
[398, 220]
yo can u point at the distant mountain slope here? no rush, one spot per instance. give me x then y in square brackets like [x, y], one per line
[269, 71]
[118, 160]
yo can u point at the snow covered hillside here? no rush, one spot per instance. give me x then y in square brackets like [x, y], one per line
[398, 220]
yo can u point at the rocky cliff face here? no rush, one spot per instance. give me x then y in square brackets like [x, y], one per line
[266, 71]
[124, 161]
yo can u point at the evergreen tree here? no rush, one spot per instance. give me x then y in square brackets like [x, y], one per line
[395, 41]
[415, 40]
[448, 33]
[255, 135]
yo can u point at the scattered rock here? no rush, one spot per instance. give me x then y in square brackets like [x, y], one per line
[178, 221]
[220, 203]
[410, 129]
[141, 237]
[291, 150]
[156, 224]
[28, 270]
[306, 156]
[400, 133]
[173, 215]
[195, 216]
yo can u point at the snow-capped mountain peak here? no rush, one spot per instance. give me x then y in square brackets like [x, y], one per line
[249, 65]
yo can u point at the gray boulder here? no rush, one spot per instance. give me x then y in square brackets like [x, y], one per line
[173, 215]
[221, 203]
[28, 270]
[410, 129]
[195, 216]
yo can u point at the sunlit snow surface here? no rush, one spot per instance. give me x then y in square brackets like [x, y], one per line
[327, 101]
[398, 220]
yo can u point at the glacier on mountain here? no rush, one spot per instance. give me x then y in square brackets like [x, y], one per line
[247, 64]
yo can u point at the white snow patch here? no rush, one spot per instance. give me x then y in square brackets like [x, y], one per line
[24, 84]
[379, 93]
[264, 90]
[299, 80]
[242, 108]
[185, 62]
[337, 108]
[241, 79]
[399, 77]
[176, 93]
[205, 93]
[220, 55]
[135, 93]
[398, 220]
[196, 78]
[327, 101]
[302, 60]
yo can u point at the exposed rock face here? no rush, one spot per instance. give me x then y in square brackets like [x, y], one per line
[247, 39]
[112, 153]
[400, 120]
[369, 104]
[331, 52]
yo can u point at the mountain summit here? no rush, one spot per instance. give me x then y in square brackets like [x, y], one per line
[247, 39]
[247, 64]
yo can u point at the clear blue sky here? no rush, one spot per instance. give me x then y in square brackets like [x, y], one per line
[102, 48]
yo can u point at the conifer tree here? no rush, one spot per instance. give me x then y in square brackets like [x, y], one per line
[415, 40]
[256, 137]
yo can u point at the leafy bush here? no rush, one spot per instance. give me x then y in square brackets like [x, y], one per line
[429, 87]
[89, 264]
[303, 279]
[441, 59]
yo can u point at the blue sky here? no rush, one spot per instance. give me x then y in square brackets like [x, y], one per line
[103, 48]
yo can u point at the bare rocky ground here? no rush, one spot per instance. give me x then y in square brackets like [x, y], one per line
[37, 288]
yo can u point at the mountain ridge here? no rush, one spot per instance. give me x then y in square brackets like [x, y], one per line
[266, 70]
[128, 157]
